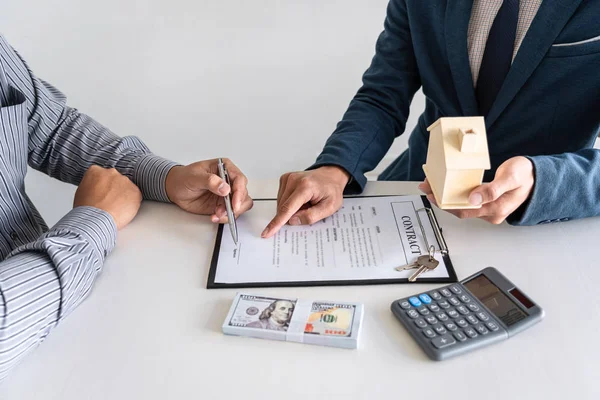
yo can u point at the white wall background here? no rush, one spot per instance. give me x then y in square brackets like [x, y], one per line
[263, 82]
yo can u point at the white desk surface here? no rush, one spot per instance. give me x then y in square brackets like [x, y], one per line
[151, 330]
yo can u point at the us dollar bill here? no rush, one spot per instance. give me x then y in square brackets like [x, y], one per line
[332, 319]
[262, 312]
[315, 322]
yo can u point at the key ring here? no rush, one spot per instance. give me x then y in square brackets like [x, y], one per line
[431, 252]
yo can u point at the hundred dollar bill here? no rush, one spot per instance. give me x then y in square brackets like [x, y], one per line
[333, 319]
[315, 322]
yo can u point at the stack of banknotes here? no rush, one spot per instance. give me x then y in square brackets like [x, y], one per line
[324, 323]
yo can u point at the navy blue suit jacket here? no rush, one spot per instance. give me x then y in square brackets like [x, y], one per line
[547, 109]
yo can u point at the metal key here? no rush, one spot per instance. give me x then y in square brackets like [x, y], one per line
[414, 265]
[428, 264]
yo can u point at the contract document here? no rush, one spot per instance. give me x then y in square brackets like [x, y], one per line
[362, 243]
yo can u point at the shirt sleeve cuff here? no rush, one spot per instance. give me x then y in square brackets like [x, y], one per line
[95, 226]
[529, 213]
[150, 176]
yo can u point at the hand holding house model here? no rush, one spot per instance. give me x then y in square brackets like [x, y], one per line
[456, 159]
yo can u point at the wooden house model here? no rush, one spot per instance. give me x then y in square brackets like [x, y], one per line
[456, 159]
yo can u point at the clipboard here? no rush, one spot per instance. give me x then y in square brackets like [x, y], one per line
[424, 212]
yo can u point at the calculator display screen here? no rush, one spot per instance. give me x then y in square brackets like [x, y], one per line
[495, 300]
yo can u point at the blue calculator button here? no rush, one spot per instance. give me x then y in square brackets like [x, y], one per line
[415, 302]
[425, 298]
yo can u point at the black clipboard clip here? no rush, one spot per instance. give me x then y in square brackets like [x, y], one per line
[443, 248]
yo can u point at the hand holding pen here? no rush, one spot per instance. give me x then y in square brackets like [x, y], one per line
[198, 188]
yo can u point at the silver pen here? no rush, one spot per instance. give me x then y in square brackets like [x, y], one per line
[232, 224]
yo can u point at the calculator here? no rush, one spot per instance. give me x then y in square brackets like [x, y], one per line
[484, 308]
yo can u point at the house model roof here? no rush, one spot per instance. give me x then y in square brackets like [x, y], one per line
[454, 158]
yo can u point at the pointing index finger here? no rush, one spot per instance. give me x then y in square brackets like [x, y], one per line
[286, 210]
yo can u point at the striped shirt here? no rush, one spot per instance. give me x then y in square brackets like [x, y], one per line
[45, 273]
[482, 18]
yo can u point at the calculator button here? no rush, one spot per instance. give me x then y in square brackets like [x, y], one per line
[431, 319]
[420, 323]
[460, 336]
[455, 289]
[454, 301]
[429, 333]
[453, 314]
[405, 304]
[473, 307]
[444, 304]
[439, 328]
[470, 332]
[481, 329]
[450, 326]
[482, 316]
[442, 317]
[443, 341]
[425, 298]
[471, 318]
[436, 295]
[413, 313]
[446, 292]
[462, 323]
[464, 298]
[434, 307]
[415, 301]
[423, 311]
[463, 310]
[492, 326]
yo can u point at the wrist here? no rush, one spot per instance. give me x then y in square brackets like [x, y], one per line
[171, 182]
[529, 174]
[339, 174]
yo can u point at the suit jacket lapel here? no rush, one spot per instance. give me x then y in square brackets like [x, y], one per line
[547, 24]
[458, 14]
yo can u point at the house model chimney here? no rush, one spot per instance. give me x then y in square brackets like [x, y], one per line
[467, 140]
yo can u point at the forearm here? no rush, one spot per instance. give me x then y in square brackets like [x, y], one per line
[379, 111]
[359, 142]
[79, 142]
[64, 143]
[43, 281]
[567, 186]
